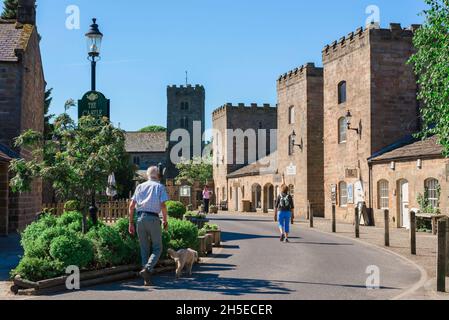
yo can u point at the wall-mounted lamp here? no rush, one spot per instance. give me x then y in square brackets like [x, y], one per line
[393, 165]
[294, 141]
[419, 164]
[348, 122]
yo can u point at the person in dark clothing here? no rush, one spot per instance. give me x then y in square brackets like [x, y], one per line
[283, 212]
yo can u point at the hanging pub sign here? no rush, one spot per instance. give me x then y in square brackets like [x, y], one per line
[94, 104]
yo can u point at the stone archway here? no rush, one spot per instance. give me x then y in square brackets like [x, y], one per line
[256, 197]
[268, 192]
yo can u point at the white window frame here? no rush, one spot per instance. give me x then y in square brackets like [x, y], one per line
[383, 194]
[343, 194]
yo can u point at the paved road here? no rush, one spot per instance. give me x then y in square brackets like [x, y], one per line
[253, 264]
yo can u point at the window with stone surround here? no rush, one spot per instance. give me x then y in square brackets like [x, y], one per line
[343, 192]
[291, 115]
[291, 149]
[383, 192]
[342, 130]
[432, 187]
[184, 105]
[342, 92]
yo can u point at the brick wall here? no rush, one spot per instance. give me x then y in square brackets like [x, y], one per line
[3, 198]
[22, 88]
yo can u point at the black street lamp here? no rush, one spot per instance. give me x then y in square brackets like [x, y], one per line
[94, 38]
[294, 141]
[348, 122]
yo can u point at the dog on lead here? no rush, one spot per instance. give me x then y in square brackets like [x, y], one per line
[184, 259]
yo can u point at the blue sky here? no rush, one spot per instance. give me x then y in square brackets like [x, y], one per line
[235, 48]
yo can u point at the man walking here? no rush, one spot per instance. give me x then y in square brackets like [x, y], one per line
[149, 200]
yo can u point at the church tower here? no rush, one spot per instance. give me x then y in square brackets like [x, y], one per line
[185, 110]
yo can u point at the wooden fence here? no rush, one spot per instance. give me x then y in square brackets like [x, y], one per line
[109, 212]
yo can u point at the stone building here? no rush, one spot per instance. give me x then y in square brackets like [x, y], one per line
[146, 149]
[243, 135]
[366, 74]
[403, 172]
[185, 110]
[22, 88]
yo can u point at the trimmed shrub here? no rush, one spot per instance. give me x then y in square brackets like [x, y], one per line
[35, 230]
[36, 269]
[73, 221]
[41, 246]
[183, 234]
[131, 243]
[109, 247]
[175, 209]
[72, 205]
[72, 251]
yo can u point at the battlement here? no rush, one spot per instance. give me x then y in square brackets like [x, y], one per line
[242, 107]
[189, 87]
[362, 36]
[300, 72]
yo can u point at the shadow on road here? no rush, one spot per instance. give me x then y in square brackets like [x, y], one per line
[232, 236]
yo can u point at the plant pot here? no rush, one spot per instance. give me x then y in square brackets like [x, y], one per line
[209, 243]
[216, 236]
[202, 248]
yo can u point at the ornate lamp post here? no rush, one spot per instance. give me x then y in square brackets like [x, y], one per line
[94, 38]
[348, 122]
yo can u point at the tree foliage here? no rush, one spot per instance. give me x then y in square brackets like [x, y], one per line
[10, 9]
[431, 65]
[153, 129]
[77, 160]
[198, 169]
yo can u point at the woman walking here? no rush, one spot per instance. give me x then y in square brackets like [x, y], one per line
[283, 212]
[206, 199]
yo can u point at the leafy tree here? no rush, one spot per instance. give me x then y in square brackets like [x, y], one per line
[77, 160]
[153, 129]
[198, 169]
[431, 67]
[10, 9]
[48, 127]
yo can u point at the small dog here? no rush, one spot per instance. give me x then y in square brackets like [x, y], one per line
[185, 259]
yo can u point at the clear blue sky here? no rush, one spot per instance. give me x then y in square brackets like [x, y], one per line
[235, 48]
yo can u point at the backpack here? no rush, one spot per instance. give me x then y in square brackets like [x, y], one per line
[284, 202]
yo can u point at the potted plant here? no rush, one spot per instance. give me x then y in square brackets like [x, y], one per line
[213, 209]
[198, 219]
[215, 232]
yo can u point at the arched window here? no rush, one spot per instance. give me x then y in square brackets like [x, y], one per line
[342, 130]
[383, 193]
[432, 192]
[291, 115]
[342, 92]
[343, 192]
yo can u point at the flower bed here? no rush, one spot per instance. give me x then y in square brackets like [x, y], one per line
[52, 244]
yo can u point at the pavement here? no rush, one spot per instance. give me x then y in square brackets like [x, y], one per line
[254, 264]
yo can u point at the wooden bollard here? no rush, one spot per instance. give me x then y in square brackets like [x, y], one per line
[334, 219]
[311, 216]
[447, 247]
[357, 223]
[387, 227]
[413, 232]
[441, 260]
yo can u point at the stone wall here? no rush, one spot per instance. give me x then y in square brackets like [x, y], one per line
[381, 95]
[302, 89]
[147, 160]
[240, 117]
[408, 170]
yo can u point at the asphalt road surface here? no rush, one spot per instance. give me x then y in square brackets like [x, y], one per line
[254, 264]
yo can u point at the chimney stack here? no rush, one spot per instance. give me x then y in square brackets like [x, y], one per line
[26, 12]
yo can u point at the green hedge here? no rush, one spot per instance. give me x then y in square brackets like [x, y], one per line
[176, 209]
[52, 244]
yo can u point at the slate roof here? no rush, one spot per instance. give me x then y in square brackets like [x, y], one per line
[6, 154]
[13, 37]
[409, 148]
[145, 142]
[260, 167]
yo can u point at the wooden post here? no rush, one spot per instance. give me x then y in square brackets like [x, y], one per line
[334, 219]
[441, 262]
[387, 227]
[413, 232]
[357, 223]
[311, 217]
[447, 247]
